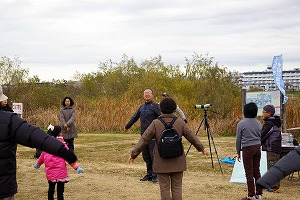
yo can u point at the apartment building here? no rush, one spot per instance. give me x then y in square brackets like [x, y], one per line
[265, 79]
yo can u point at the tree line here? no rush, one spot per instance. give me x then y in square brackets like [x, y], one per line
[107, 98]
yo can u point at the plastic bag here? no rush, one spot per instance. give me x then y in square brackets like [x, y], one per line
[228, 160]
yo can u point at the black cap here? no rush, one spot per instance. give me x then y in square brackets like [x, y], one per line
[270, 109]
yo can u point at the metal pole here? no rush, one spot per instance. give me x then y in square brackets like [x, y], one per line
[243, 99]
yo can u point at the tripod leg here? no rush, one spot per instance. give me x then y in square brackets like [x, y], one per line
[195, 134]
[212, 139]
[208, 138]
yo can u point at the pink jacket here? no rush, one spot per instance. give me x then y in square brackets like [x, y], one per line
[55, 167]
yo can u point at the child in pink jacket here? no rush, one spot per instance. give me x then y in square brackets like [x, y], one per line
[55, 167]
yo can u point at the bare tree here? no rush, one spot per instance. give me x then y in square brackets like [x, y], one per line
[11, 72]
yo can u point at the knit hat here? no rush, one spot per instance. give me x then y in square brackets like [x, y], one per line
[167, 105]
[54, 130]
[2, 96]
[270, 109]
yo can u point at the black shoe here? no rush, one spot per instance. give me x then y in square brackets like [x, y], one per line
[146, 178]
[154, 179]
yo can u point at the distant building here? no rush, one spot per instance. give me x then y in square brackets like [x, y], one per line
[265, 79]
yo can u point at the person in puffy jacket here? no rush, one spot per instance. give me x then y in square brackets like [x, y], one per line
[271, 139]
[13, 131]
[285, 166]
[55, 167]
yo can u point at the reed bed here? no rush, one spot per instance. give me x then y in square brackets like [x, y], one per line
[107, 114]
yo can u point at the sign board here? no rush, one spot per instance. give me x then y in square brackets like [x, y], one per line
[264, 98]
[18, 108]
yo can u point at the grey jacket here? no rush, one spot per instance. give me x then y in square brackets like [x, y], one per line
[247, 133]
[180, 113]
[67, 116]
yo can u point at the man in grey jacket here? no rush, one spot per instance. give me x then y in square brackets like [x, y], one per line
[13, 131]
[177, 110]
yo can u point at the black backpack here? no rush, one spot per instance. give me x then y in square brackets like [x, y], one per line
[170, 145]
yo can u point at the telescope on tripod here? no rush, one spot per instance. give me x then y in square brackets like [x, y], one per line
[210, 137]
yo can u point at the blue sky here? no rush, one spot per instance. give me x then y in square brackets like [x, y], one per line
[57, 38]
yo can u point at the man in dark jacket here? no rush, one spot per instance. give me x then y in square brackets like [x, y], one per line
[271, 139]
[13, 131]
[169, 170]
[147, 112]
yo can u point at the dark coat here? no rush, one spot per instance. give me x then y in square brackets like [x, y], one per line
[147, 112]
[7, 108]
[271, 135]
[169, 165]
[13, 131]
[282, 168]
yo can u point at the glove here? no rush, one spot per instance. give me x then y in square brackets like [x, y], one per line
[68, 155]
[79, 170]
[36, 166]
[185, 120]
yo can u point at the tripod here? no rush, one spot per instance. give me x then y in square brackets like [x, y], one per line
[209, 137]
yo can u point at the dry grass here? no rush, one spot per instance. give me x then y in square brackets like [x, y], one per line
[108, 176]
[111, 115]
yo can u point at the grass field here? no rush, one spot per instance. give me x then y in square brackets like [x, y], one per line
[108, 176]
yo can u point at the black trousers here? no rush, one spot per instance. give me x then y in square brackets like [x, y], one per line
[251, 160]
[148, 157]
[70, 143]
[60, 190]
[272, 158]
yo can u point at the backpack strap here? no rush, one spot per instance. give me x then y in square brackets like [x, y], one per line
[165, 124]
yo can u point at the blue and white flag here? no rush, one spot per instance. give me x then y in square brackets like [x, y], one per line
[277, 74]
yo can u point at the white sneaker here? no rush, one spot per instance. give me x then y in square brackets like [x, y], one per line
[259, 197]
